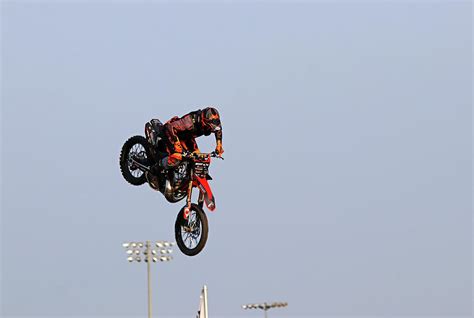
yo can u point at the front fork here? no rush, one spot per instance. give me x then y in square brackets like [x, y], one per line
[187, 209]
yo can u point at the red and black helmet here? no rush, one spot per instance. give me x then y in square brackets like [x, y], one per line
[211, 119]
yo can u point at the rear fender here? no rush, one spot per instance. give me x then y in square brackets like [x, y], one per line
[206, 192]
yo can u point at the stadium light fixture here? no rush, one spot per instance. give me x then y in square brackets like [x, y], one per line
[265, 306]
[134, 250]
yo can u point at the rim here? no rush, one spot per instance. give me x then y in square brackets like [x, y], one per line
[137, 150]
[191, 232]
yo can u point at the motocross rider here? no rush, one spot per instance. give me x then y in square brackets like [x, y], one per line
[180, 133]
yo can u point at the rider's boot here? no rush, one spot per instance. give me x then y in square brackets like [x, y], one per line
[156, 169]
[156, 176]
[152, 176]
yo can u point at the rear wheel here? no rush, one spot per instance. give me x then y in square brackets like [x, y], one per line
[136, 147]
[191, 234]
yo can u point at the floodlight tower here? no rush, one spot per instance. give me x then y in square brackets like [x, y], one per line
[136, 249]
[265, 306]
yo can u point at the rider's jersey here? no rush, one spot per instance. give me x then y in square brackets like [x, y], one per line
[186, 129]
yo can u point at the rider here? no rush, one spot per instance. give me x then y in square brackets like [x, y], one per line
[180, 133]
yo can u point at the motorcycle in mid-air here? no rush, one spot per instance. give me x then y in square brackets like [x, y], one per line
[140, 153]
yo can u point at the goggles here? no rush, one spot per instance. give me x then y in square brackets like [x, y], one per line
[214, 124]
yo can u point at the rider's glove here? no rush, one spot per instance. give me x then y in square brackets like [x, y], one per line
[177, 147]
[196, 151]
[219, 149]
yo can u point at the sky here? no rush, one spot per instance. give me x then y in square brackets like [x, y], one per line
[346, 187]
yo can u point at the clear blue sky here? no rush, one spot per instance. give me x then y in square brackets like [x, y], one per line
[347, 183]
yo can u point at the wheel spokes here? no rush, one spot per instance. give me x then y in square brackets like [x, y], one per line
[136, 150]
[192, 235]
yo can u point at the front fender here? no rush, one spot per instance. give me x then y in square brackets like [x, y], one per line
[205, 189]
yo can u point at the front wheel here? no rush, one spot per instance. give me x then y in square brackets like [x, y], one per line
[191, 234]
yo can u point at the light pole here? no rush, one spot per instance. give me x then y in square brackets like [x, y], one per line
[134, 251]
[265, 306]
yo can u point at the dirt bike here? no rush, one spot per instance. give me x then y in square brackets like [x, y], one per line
[191, 227]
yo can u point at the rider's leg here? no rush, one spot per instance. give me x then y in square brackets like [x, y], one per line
[161, 158]
[167, 162]
[191, 145]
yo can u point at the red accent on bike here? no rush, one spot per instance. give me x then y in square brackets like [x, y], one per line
[204, 187]
[203, 159]
[186, 213]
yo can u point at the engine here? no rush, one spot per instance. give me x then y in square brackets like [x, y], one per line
[180, 174]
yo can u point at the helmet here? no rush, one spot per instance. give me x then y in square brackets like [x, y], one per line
[211, 119]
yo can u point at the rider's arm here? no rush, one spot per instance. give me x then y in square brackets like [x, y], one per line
[219, 135]
[194, 145]
[219, 148]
